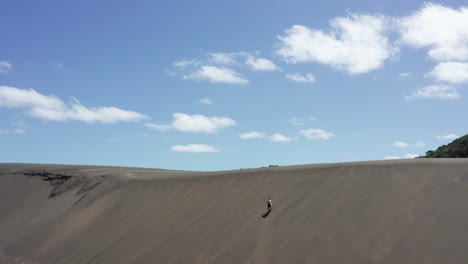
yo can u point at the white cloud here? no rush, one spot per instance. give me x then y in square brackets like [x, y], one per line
[392, 157]
[316, 134]
[451, 72]
[185, 63]
[160, 127]
[194, 123]
[404, 75]
[406, 156]
[252, 135]
[19, 123]
[279, 138]
[448, 136]
[400, 144]
[12, 97]
[260, 64]
[60, 66]
[205, 101]
[223, 58]
[313, 119]
[16, 131]
[5, 66]
[53, 108]
[218, 67]
[200, 123]
[296, 121]
[217, 75]
[441, 29]
[254, 63]
[419, 144]
[357, 44]
[435, 91]
[276, 137]
[19, 131]
[194, 148]
[308, 78]
[101, 114]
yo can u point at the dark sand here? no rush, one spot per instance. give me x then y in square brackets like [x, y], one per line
[403, 211]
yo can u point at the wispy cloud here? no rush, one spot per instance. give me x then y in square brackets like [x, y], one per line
[19, 123]
[205, 101]
[252, 135]
[406, 156]
[443, 92]
[314, 133]
[299, 121]
[194, 148]
[279, 138]
[200, 123]
[16, 131]
[253, 62]
[448, 136]
[217, 74]
[308, 78]
[221, 67]
[392, 157]
[60, 66]
[223, 58]
[296, 121]
[5, 66]
[404, 75]
[185, 63]
[419, 144]
[53, 108]
[19, 131]
[194, 123]
[276, 137]
[160, 127]
[402, 144]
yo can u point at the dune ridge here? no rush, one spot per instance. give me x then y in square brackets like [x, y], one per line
[399, 211]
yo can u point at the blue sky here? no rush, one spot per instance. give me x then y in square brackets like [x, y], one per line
[207, 85]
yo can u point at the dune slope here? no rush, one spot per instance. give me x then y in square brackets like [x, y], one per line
[404, 211]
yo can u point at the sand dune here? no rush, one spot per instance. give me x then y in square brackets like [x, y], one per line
[403, 211]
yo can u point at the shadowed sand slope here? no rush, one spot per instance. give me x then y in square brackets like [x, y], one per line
[405, 211]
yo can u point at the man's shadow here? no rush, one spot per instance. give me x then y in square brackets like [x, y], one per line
[265, 215]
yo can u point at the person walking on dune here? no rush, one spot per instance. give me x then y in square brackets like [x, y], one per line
[269, 204]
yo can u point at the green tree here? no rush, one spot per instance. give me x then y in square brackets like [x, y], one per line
[457, 149]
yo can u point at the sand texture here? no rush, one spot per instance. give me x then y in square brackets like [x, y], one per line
[402, 211]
